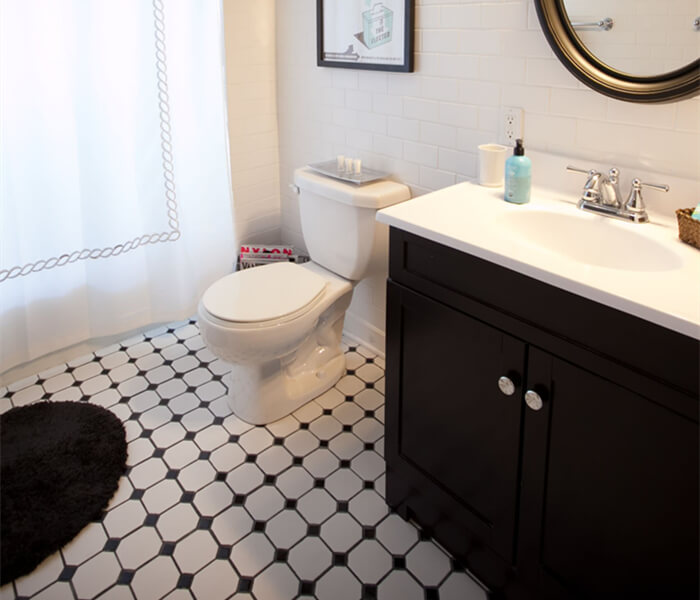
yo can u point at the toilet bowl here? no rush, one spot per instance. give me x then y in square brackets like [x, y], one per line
[284, 347]
[280, 325]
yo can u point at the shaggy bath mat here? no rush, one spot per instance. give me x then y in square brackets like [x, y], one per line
[60, 463]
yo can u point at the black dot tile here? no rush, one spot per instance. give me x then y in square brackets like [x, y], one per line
[135, 416]
[342, 506]
[85, 398]
[350, 371]
[352, 348]
[245, 584]
[270, 479]
[151, 387]
[369, 533]
[307, 588]
[239, 499]
[158, 453]
[399, 563]
[368, 485]
[347, 428]
[221, 476]
[137, 494]
[304, 425]
[297, 460]
[369, 385]
[344, 464]
[251, 458]
[204, 523]
[142, 373]
[125, 577]
[340, 559]
[233, 438]
[369, 413]
[223, 553]
[204, 455]
[319, 483]
[187, 497]
[190, 435]
[217, 378]
[349, 398]
[113, 386]
[425, 535]
[184, 582]
[150, 520]
[175, 418]
[281, 555]
[327, 411]
[168, 363]
[218, 420]
[192, 353]
[146, 433]
[111, 544]
[324, 444]
[369, 360]
[313, 530]
[167, 549]
[172, 473]
[67, 573]
[290, 503]
[131, 360]
[278, 441]
[46, 396]
[369, 591]
[191, 389]
[369, 446]
[259, 526]
[432, 593]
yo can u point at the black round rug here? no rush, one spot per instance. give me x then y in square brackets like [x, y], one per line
[60, 463]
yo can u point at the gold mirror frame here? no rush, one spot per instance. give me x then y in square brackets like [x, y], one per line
[585, 66]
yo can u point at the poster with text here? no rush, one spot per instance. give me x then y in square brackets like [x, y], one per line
[364, 32]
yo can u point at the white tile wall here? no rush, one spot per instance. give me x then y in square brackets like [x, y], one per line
[471, 58]
[252, 118]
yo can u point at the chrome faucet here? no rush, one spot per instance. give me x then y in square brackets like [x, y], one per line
[601, 194]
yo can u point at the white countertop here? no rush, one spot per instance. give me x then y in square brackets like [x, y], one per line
[662, 287]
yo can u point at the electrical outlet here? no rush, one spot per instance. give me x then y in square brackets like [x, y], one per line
[511, 125]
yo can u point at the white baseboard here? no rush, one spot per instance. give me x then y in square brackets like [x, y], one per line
[359, 330]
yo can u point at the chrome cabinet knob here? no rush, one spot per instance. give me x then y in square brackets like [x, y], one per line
[533, 400]
[506, 385]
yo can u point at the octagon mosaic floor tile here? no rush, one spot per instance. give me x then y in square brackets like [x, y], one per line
[212, 507]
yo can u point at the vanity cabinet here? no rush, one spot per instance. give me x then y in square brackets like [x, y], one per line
[593, 493]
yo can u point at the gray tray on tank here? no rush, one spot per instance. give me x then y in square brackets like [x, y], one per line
[330, 168]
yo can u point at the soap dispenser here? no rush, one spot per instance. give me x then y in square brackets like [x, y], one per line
[518, 175]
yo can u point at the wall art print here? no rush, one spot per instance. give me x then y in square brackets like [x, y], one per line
[365, 34]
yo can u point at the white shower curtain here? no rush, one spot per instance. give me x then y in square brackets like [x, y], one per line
[115, 195]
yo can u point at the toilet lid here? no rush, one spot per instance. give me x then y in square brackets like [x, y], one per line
[263, 293]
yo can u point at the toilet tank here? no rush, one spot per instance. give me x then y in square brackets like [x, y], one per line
[338, 221]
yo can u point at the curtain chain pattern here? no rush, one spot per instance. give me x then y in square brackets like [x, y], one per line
[168, 174]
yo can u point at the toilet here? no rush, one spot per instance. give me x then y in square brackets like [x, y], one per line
[280, 325]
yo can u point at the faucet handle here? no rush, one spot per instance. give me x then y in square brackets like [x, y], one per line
[635, 202]
[588, 172]
[613, 175]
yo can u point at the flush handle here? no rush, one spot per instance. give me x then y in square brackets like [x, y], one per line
[533, 400]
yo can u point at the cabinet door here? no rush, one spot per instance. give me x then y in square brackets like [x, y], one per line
[619, 493]
[454, 423]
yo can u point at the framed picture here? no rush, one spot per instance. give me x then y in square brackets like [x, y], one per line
[365, 34]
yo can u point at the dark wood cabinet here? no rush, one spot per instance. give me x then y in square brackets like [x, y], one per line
[594, 495]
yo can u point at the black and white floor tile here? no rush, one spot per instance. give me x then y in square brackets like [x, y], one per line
[212, 507]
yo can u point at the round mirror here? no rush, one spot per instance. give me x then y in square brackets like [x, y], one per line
[630, 50]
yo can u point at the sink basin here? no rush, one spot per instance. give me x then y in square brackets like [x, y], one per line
[591, 240]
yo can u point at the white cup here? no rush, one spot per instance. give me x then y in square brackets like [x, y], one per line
[492, 164]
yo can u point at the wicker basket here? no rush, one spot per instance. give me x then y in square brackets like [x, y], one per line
[688, 228]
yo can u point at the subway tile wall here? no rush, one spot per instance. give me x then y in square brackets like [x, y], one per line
[249, 29]
[471, 58]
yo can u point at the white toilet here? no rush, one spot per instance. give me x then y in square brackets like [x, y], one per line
[280, 325]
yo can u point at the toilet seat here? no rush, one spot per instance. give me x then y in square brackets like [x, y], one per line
[267, 293]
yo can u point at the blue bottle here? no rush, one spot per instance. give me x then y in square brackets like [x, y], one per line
[518, 176]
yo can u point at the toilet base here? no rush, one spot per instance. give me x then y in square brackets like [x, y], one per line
[261, 394]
